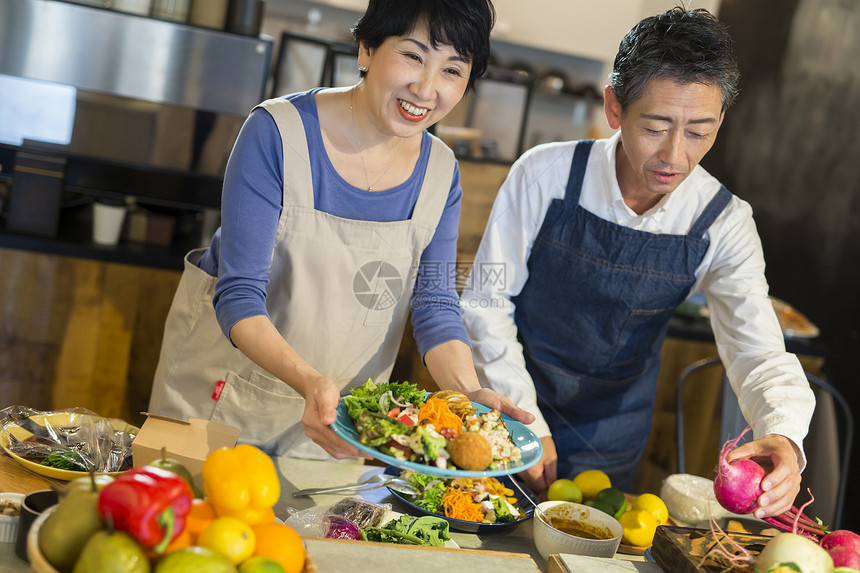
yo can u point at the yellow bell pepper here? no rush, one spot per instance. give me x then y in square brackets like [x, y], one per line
[241, 482]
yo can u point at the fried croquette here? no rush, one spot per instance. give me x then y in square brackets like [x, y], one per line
[470, 451]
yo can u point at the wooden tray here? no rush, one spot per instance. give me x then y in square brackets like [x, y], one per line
[681, 549]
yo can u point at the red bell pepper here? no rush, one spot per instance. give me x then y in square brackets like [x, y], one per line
[148, 502]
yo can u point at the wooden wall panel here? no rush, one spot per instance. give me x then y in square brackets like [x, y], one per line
[78, 332]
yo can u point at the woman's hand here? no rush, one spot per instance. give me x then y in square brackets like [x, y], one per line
[782, 483]
[540, 476]
[321, 400]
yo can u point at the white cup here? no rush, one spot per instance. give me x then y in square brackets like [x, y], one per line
[107, 223]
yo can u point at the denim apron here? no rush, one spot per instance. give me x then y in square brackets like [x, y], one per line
[592, 317]
[339, 293]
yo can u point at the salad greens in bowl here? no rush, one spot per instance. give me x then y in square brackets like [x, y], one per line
[471, 505]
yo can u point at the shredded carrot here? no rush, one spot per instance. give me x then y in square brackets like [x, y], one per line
[436, 412]
[460, 505]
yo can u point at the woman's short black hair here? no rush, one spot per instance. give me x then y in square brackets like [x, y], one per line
[688, 46]
[463, 24]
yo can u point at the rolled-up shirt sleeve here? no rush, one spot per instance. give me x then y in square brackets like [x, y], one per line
[771, 386]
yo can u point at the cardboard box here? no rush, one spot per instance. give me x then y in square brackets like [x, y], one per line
[190, 443]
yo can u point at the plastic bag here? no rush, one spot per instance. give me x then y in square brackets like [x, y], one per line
[73, 439]
[338, 520]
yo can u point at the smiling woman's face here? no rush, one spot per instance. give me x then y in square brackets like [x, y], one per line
[664, 134]
[411, 85]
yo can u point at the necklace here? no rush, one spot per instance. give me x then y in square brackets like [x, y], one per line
[361, 151]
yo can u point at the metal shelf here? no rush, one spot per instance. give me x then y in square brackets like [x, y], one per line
[133, 56]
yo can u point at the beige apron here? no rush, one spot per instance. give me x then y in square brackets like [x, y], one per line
[339, 293]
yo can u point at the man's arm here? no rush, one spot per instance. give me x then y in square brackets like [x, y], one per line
[771, 386]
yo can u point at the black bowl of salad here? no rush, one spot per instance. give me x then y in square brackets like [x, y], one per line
[475, 504]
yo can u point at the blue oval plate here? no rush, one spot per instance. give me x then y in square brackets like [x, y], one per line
[529, 444]
[526, 509]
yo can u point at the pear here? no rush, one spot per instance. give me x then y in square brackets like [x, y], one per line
[176, 467]
[116, 552]
[68, 528]
[86, 484]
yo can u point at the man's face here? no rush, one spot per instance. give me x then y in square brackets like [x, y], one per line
[664, 135]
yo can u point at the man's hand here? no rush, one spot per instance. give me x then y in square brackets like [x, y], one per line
[503, 404]
[540, 476]
[778, 455]
[320, 413]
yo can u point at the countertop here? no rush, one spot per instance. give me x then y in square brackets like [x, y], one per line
[298, 474]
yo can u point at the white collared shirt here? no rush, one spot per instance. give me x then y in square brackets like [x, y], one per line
[769, 382]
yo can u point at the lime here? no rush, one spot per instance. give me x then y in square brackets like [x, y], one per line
[601, 505]
[260, 564]
[653, 505]
[639, 528]
[615, 498]
[230, 537]
[564, 490]
[590, 482]
[197, 559]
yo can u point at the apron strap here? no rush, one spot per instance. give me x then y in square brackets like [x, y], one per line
[711, 212]
[298, 184]
[436, 185]
[577, 173]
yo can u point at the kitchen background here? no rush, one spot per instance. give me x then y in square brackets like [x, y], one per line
[137, 103]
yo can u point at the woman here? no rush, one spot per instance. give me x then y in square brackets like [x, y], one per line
[338, 210]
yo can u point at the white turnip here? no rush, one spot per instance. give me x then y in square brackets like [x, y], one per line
[786, 549]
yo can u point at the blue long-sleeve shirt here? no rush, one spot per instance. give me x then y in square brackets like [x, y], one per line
[240, 251]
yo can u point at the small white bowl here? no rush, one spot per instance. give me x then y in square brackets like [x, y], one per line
[9, 524]
[690, 499]
[550, 540]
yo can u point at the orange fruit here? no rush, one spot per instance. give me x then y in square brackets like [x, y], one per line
[230, 537]
[281, 543]
[181, 541]
[201, 515]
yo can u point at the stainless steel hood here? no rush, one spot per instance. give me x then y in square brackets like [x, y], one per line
[133, 56]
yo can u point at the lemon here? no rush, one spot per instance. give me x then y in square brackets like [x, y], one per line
[639, 528]
[653, 505]
[564, 490]
[230, 537]
[590, 482]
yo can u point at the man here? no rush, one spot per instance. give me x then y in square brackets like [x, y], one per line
[591, 245]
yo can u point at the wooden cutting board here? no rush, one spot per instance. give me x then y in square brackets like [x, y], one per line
[565, 563]
[682, 549]
[366, 557]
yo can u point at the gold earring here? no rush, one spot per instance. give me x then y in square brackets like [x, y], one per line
[362, 68]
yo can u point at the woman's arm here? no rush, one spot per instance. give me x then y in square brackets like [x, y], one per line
[260, 341]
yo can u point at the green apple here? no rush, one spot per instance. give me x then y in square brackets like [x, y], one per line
[564, 490]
